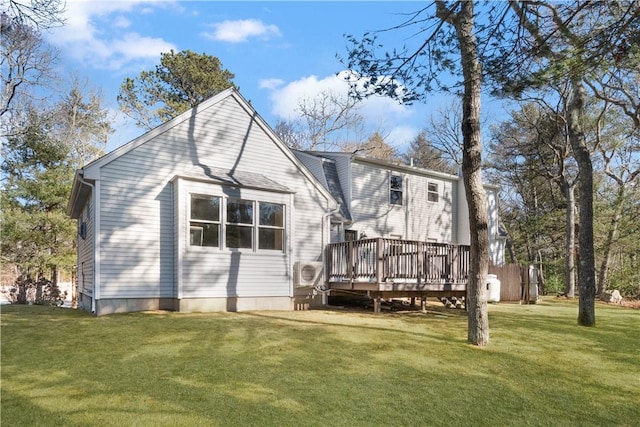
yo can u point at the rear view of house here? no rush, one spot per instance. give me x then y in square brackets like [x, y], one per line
[209, 211]
[212, 212]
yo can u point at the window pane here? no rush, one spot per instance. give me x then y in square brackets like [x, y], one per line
[270, 238]
[395, 197]
[239, 236]
[240, 211]
[396, 182]
[432, 194]
[205, 208]
[272, 214]
[204, 234]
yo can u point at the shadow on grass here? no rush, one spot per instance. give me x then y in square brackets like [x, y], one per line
[314, 368]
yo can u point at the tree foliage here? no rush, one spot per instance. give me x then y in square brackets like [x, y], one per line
[569, 42]
[181, 81]
[422, 153]
[38, 167]
[374, 147]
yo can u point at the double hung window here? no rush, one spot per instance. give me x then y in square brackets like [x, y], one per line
[271, 227]
[246, 224]
[432, 192]
[395, 189]
[239, 228]
[204, 224]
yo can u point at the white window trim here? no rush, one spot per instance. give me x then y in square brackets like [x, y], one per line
[401, 191]
[190, 220]
[429, 192]
[255, 226]
[272, 227]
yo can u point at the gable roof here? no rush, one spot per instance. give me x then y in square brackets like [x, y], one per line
[90, 172]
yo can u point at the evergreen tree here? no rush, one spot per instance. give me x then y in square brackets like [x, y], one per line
[181, 81]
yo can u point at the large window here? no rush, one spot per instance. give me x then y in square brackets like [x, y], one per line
[204, 224]
[271, 227]
[395, 189]
[432, 192]
[246, 224]
[239, 229]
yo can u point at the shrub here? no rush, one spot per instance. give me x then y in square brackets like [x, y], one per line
[26, 290]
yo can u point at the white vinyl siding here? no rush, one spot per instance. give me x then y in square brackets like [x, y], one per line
[211, 272]
[85, 251]
[138, 224]
[416, 219]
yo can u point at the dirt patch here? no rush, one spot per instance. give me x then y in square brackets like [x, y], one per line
[632, 303]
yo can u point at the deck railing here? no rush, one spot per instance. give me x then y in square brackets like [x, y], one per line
[391, 260]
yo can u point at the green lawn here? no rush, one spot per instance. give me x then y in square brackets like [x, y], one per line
[322, 368]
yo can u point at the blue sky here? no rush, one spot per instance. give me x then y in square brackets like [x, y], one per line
[280, 52]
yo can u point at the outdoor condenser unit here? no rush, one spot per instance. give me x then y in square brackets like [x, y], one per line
[307, 273]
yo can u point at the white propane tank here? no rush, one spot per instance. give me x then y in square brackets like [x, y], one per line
[493, 288]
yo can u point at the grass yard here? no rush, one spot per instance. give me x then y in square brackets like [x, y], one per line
[320, 368]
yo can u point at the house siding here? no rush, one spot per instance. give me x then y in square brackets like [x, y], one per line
[85, 250]
[138, 217]
[220, 272]
[416, 219]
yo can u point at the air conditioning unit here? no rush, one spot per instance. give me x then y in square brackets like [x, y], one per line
[307, 274]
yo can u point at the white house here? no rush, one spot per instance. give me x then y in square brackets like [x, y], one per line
[382, 199]
[212, 212]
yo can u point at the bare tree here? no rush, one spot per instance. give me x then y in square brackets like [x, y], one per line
[288, 131]
[444, 131]
[39, 14]
[83, 125]
[26, 61]
[329, 121]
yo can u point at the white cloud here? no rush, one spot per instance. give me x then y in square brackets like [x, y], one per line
[270, 83]
[121, 22]
[381, 114]
[85, 38]
[241, 30]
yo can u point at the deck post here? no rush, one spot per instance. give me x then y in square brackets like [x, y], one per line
[420, 260]
[423, 304]
[377, 303]
[454, 264]
[351, 251]
[379, 260]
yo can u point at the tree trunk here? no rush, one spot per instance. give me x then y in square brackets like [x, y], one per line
[478, 321]
[611, 236]
[586, 268]
[570, 241]
[542, 282]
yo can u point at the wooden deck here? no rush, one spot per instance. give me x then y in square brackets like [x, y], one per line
[387, 268]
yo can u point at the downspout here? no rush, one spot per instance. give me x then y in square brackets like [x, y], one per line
[325, 234]
[407, 211]
[93, 245]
